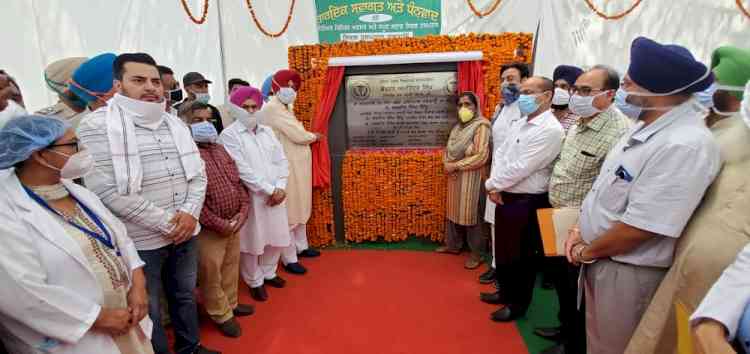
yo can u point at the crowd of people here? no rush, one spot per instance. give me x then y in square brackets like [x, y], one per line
[656, 162]
[124, 197]
[133, 190]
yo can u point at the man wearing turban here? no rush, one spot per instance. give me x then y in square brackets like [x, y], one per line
[646, 192]
[715, 233]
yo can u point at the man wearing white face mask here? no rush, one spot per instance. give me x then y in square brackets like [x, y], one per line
[296, 141]
[586, 145]
[712, 239]
[264, 170]
[649, 186]
[564, 77]
[149, 173]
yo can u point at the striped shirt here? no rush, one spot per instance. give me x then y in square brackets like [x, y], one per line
[583, 152]
[164, 190]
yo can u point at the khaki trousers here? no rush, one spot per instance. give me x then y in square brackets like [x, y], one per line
[218, 273]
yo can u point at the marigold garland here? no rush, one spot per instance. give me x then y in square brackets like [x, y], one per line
[743, 9]
[311, 61]
[612, 17]
[393, 194]
[190, 13]
[260, 26]
[486, 13]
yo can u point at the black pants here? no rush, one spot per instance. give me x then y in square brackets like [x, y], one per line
[572, 320]
[518, 247]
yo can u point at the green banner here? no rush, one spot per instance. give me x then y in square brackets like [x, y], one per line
[356, 20]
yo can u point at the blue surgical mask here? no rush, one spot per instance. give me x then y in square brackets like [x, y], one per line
[510, 93]
[203, 97]
[706, 97]
[204, 132]
[287, 95]
[630, 110]
[527, 104]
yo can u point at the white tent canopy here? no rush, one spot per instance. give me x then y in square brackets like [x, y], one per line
[36, 32]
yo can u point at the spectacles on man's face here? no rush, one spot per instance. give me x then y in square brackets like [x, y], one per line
[584, 90]
[73, 144]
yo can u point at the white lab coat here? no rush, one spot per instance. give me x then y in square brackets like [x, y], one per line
[726, 300]
[500, 127]
[49, 297]
[263, 168]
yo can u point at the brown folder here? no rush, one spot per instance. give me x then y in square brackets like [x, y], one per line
[554, 225]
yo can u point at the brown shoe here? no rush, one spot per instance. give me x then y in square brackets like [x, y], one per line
[446, 249]
[472, 263]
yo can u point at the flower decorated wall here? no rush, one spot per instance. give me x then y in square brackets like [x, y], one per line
[393, 194]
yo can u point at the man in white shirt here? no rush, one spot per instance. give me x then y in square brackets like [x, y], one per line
[649, 185]
[518, 184]
[149, 172]
[264, 169]
[507, 112]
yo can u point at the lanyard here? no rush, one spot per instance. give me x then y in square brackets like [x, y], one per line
[105, 239]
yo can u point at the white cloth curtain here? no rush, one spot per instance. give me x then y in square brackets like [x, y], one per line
[37, 32]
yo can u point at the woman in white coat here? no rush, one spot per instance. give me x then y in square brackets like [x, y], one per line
[71, 278]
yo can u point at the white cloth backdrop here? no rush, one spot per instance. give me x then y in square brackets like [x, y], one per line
[37, 32]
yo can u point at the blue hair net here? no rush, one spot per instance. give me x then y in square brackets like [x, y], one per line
[23, 135]
[266, 88]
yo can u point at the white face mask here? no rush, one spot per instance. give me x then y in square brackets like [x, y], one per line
[561, 97]
[719, 87]
[583, 106]
[13, 110]
[79, 165]
[203, 97]
[148, 114]
[287, 95]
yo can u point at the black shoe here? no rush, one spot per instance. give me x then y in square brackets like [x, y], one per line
[203, 350]
[230, 328]
[503, 315]
[277, 282]
[555, 349]
[259, 294]
[551, 333]
[492, 298]
[309, 253]
[295, 268]
[243, 310]
[487, 277]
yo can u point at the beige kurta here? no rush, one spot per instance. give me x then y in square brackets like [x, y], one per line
[465, 186]
[719, 229]
[296, 142]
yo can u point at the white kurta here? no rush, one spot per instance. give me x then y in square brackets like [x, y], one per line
[263, 168]
[500, 126]
[50, 297]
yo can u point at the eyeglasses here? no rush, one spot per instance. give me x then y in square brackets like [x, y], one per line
[73, 144]
[584, 90]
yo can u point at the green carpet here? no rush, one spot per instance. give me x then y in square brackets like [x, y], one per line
[541, 313]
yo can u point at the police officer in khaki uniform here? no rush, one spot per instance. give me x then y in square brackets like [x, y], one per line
[69, 106]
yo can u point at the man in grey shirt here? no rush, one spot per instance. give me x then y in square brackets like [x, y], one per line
[150, 174]
[649, 186]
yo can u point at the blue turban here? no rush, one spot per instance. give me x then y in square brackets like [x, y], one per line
[266, 88]
[23, 135]
[93, 76]
[668, 68]
[568, 73]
